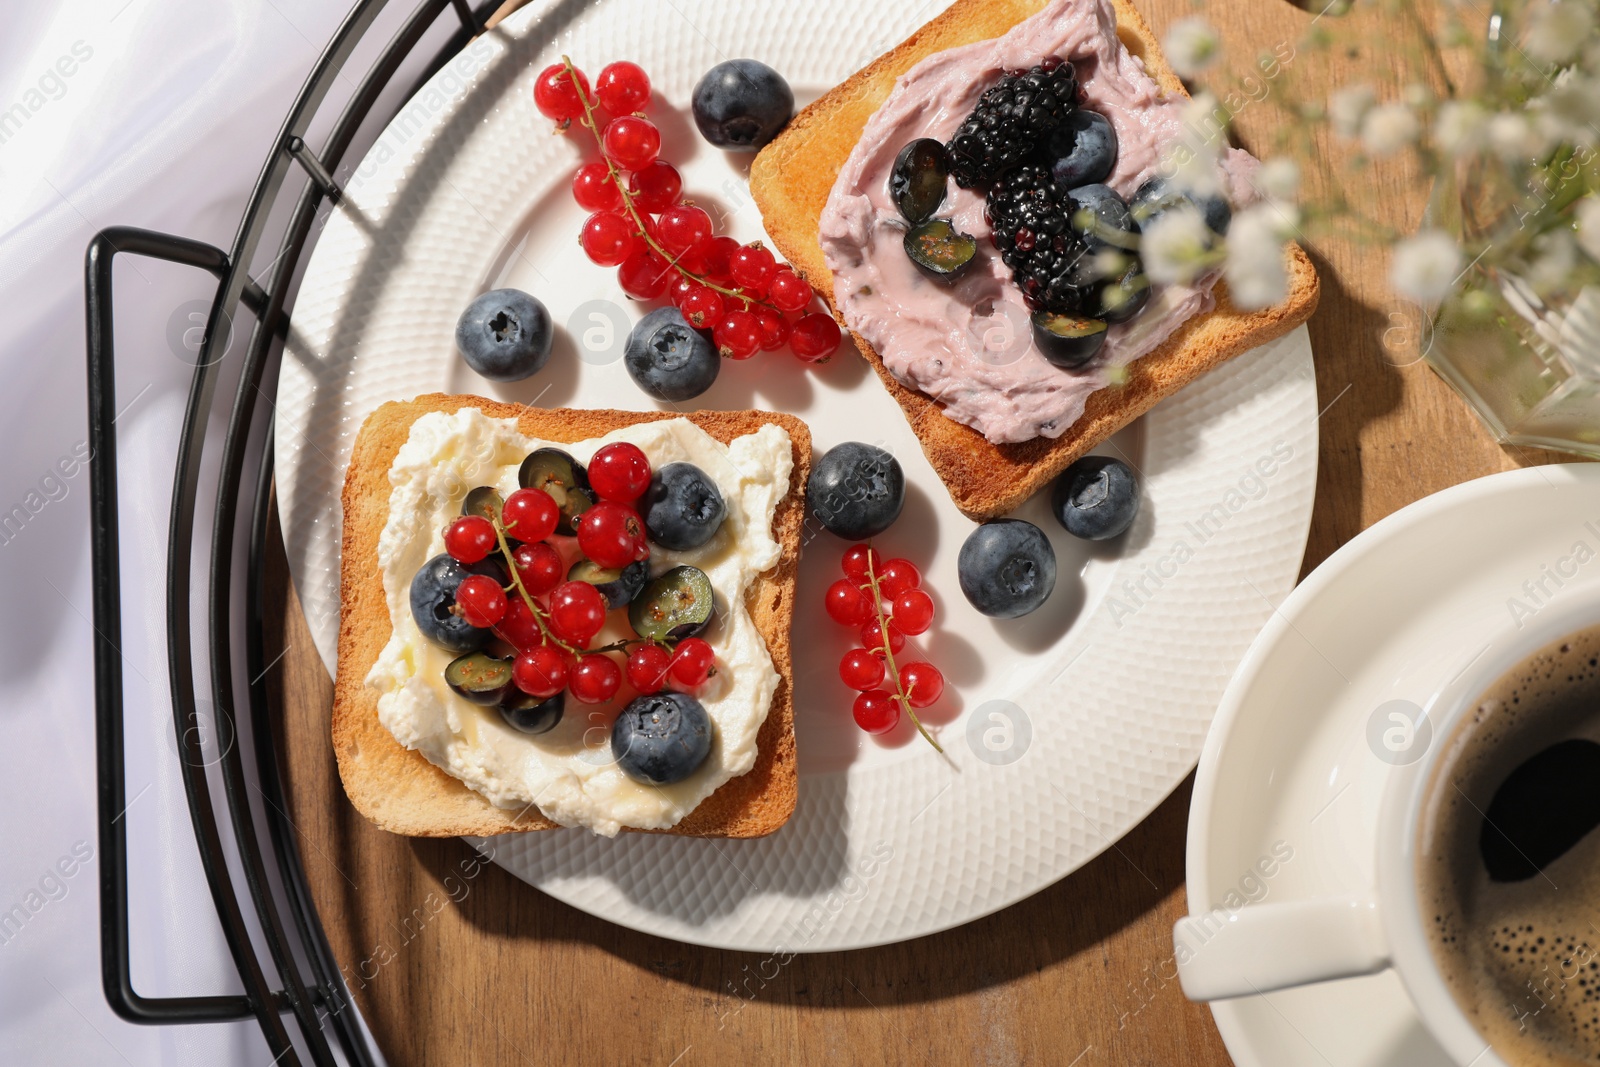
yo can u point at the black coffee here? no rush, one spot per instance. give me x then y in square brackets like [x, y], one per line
[1509, 865]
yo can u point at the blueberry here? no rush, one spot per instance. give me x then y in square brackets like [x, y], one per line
[1067, 341]
[940, 250]
[917, 183]
[856, 490]
[1108, 223]
[742, 104]
[1084, 148]
[1159, 194]
[1006, 568]
[668, 358]
[662, 738]
[433, 594]
[683, 508]
[505, 335]
[531, 714]
[1120, 299]
[1096, 498]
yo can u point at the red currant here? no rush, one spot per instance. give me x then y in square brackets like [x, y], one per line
[855, 562]
[647, 668]
[622, 87]
[607, 238]
[530, 515]
[539, 566]
[593, 188]
[470, 538]
[898, 576]
[701, 307]
[788, 291]
[644, 275]
[774, 331]
[656, 187]
[577, 611]
[872, 638]
[680, 226]
[846, 605]
[815, 337]
[610, 534]
[540, 672]
[913, 611]
[752, 267]
[595, 679]
[481, 601]
[518, 625]
[714, 255]
[692, 663]
[861, 670]
[555, 95]
[737, 335]
[620, 472]
[679, 291]
[921, 683]
[630, 142]
[876, 712]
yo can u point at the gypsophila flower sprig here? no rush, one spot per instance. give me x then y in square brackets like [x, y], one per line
[1508, 150]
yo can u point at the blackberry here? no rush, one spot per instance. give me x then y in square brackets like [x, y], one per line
[1032, 224]
[1013, 118]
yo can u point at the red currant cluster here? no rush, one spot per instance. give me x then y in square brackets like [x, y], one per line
[550, 621]
[663, 245]
[886, 601]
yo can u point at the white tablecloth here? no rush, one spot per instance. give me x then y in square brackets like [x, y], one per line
[155, 113]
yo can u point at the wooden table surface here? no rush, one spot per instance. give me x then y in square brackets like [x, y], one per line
[1080, 973]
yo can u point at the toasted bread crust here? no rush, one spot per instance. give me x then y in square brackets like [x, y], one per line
[793, 176]
[398, 789]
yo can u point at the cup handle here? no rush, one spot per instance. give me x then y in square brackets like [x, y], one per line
[1264, 947]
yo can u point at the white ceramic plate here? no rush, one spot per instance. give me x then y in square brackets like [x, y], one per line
[1063, 729]
[1297, 761]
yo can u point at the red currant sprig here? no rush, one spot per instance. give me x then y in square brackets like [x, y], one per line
[859, 599]
[740, 293]
[639, 141]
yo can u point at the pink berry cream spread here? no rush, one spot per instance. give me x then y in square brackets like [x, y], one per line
[958, 325]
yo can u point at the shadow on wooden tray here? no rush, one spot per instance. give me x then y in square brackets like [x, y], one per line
[1083, 910]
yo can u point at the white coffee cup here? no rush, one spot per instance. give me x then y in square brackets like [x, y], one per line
[1264, 947]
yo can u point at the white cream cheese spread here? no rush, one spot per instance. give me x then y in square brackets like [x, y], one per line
[568, 773]
[967, 343]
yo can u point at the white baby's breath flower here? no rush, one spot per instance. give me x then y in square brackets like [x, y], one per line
[1588, 215]
[1193, 161]
[1555, 255]
[1570, 111]
[1176, 246]
[1279, 179]
[1192, 45]
[1511, 137]
[1388, 128]
[1461, 129]
[1558, 31]
[1417, 95]
[1204, 117]
[1253, 265]
[1424, 266]
[1348, 106]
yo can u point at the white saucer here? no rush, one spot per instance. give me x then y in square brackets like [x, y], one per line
[1288, 765]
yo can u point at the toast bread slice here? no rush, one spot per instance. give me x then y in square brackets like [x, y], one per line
[400, 790]
[793, 176]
